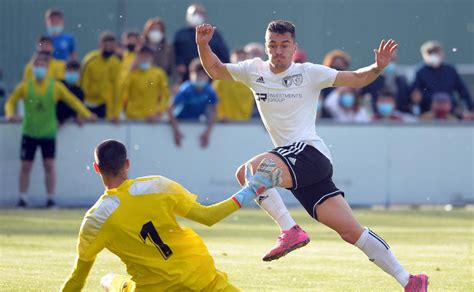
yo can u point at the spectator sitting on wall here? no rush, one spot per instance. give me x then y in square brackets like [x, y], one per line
[437, 76]
[130, 44]
[40, 94]
[144, 91]
[56, 68]
[185, 43]
[100, 74]
[441, 108]
[196, 100]
[154, 34]
[386, 108]
[235, 98]
[392, 80]
[71, 80]
[64, 44]
[255, 50]
[344, 104]
[299, 56]
[339, 60]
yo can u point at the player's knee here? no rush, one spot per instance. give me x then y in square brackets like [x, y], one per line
[350, 236]
[48, 168]
[26, 168]
[240, 175]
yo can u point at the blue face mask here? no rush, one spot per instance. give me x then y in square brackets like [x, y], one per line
[71, 77]
[385, 109]
[145, 65]
[347, 100]
[390, 69]
[200, 83]
[39, 72]
[55, 29]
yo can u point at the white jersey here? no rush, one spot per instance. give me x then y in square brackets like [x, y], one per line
[287, 101]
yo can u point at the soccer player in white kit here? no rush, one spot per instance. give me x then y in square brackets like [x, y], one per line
[287, 94]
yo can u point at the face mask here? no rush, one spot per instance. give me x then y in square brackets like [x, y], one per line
[131, 47]
[107, 54]
[390, 69]
[195, 19]
[55, 29]
[347, 100]
[144, 66]
[155, 36]
[433, 60]
[39, 72]
[200, 83]
[71, 77]
[385, 109]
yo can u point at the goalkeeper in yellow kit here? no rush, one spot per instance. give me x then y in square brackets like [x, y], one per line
[136, 220]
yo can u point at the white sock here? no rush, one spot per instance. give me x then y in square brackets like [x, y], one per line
[380, 254]
[271, 202]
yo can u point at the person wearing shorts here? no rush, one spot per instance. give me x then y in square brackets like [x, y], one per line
[287, 95]
[40, 125]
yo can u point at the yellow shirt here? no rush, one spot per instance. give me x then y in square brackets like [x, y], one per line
[127, 60]
[145, 93]
[235, 100]
[137, 222]
[56, 70]
[99, 81]
[60, 92]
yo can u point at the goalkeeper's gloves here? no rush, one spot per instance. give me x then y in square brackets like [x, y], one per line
[267, 176]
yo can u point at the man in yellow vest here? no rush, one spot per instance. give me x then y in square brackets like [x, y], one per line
[100, 73]
[40, 93]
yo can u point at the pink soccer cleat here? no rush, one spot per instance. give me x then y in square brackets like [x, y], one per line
[288, 241]
[417, 283]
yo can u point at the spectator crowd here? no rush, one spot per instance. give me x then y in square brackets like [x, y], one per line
[145, 77]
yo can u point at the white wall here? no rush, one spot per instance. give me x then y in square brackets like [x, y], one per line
[374, 164]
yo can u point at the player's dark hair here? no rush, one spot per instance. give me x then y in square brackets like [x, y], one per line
[282, 27]
[53, 12]
[196, 66]
[110, 155]
[73, 64]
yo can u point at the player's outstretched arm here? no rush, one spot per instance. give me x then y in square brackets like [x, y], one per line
[366, 75]
[78, 277]
[211, 63]
[267, 176]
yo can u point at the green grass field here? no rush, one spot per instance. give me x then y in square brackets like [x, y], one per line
[38, 248]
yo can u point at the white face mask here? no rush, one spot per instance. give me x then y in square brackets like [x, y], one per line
[433, 60]
[155, 36]
[195, 19]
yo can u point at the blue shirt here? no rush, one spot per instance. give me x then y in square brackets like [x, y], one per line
[191, 102]
[445, 78]
[64, 45]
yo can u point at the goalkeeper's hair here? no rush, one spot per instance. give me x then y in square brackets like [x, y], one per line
[110, 155]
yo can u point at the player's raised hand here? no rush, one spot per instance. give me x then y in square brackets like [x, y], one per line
[384, 54]
[267, 176]
[204, 33]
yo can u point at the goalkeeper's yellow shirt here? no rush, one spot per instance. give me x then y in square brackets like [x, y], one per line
[137, 222]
